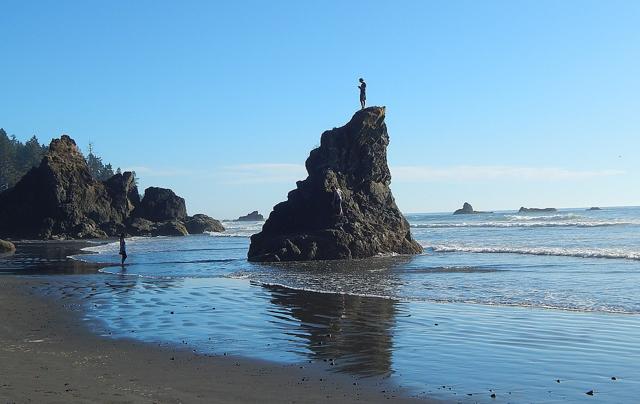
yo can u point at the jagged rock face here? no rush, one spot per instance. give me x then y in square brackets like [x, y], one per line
[251, 217]
[308, 227]
[59, 198]
[198, 224]
[161, 204]
[124, 194]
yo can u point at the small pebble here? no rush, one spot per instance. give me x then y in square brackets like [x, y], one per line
[589, 393]
[613, 378]
[493, 395]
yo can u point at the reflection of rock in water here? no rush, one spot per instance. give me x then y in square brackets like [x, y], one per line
[353, 330]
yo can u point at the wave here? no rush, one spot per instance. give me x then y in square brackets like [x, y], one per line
[527, 224]
[230, 234]
[559, 216]
[549, 251]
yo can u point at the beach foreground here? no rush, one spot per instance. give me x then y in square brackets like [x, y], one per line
[48, 356]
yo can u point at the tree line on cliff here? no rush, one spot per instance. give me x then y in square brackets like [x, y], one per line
[17, 158]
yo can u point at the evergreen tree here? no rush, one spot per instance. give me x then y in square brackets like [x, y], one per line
[30, 154]
[6, 161]
[97, 168]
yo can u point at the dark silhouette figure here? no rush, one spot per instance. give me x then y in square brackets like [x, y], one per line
[123, 249]
[363, 92]
[337, 199]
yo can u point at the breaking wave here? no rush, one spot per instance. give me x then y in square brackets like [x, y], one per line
[609, 253]
[507, 224]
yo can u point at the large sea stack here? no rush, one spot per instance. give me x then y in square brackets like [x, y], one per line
[308, 225]
[60, 199]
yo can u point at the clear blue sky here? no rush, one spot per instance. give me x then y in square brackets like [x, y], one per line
[499, 103]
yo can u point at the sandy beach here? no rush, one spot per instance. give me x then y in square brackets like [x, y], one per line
[49, 355]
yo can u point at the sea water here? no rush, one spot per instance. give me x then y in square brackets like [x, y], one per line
[534, 307]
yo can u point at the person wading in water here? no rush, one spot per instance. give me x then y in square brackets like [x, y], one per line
[363, 92]
[123, 249]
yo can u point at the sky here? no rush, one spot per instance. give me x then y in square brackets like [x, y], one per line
[499, 103]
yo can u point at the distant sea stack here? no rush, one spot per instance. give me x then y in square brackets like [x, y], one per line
[594, 208]
[251, 217]
[60, 199]
[308, 226]
[531, 210]
[467, 209]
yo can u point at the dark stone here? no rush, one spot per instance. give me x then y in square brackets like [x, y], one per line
[198, 224]
[169, 228]
[143, 227]
[140, 227]
[60, 199]
[253, 216]
[308, 227]
[467, 209]
[530, 210]
[124, 194]
[161, 204]
[594, 208]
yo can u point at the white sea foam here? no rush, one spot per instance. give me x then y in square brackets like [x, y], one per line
[562, 216]
[610, 253]
[238, 229]
[499, 224]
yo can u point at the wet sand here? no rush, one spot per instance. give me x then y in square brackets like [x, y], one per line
[49, 355]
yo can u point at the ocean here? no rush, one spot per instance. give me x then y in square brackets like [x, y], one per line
[531, 307]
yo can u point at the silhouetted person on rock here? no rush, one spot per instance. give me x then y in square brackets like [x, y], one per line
[337, 199]
[123, 249]
[363, 92]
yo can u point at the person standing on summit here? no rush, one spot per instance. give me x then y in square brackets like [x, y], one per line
[363, 92]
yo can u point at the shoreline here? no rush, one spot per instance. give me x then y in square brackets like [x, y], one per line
[50, 355]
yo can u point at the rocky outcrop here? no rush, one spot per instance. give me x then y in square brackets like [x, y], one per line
[124, 194]
[6, 247]
[594, 208]
[60, 199]
[161, 204]
[308, 226]
[251, 217]
[533, 210]
[467, 209]
[198, 224]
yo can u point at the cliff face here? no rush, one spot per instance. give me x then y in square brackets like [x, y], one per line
[60, 199]
[309, 226]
